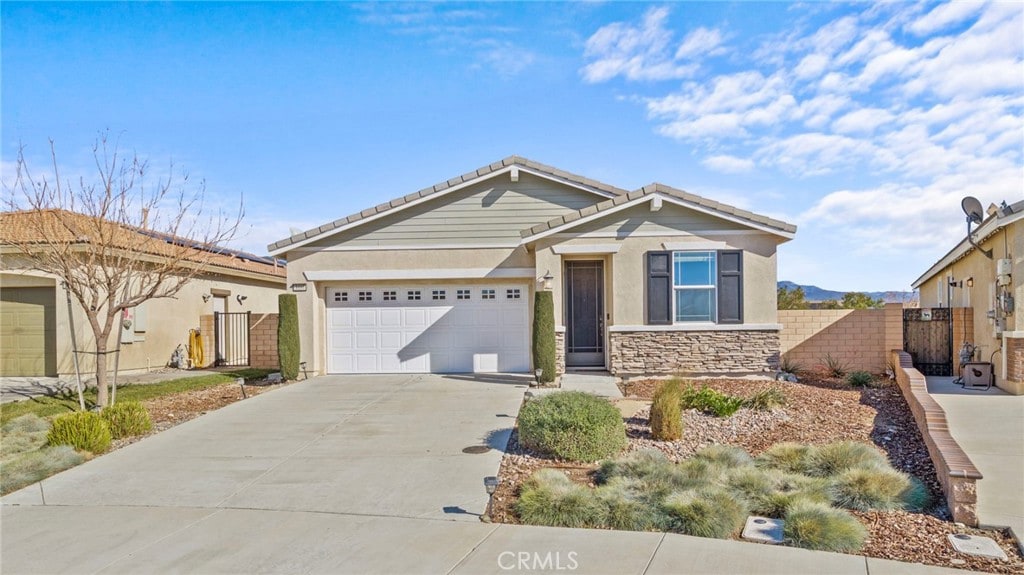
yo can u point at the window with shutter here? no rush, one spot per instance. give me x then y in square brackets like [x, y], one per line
[730, 286]
[695, 287]
[659, 288]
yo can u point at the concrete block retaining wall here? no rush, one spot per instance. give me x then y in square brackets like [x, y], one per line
[954, 468]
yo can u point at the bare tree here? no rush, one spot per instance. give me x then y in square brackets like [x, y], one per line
[115, 240]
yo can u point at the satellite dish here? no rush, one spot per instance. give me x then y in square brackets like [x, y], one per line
[972, 208]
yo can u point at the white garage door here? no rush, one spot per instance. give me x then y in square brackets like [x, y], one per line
[443, 329]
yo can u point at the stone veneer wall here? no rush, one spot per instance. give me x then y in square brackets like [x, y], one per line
[559, 352]
[670, 351]
[953, 468]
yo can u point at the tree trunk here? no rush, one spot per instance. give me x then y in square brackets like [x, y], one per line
[101, 372]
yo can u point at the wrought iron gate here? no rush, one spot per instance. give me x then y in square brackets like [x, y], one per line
[928, 338]
[231, 338]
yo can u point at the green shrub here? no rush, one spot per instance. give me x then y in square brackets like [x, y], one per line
[707, 512]
[766, 399]
[653, 474]
[788, 365]
[28, 468]
[710, 401]
[627, 507]
[770, 492]
[727, 456]
[869, 488]
[666, 414]
[288, 335]
[83, 430]
[834, 458]
[127, 419]
[859, 379]
[23, 434]
[572, 425]
[550, 498]
[544, 335]
[818, 526]
[786, 456]
[834, 366]
[916, 496]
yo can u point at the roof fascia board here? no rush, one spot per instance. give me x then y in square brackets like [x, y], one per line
[963, 247]
[650, 197]
[439, 194]
[418, 274]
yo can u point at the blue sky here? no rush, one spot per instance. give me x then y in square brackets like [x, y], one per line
[864, 124]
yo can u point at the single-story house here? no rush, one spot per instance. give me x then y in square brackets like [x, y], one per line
[655, 280]
[36, 318]
[989, 281]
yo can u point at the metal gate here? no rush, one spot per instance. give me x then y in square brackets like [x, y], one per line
[928, 338]
[231, 338]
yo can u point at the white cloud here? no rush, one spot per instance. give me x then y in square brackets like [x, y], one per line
[643, 51]
[862, 121]
[944, 16]
[728, 164]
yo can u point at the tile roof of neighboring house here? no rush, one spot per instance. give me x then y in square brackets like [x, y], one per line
[685, 197]
[549, 171]
[62, 226]
[982, 232]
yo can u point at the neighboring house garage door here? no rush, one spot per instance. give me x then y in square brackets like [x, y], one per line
[442, 329]
[28, 329]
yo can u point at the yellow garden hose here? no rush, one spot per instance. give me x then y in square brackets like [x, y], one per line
[195, 348]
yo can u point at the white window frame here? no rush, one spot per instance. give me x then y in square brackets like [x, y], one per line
[676, 287]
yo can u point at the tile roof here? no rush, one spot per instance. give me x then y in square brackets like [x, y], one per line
[686, 197]
[65, 227]
[442, 186]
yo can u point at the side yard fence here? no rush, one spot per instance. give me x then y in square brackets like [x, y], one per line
[262, 340]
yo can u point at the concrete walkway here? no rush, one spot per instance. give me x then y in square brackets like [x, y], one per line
[18, 388]
[989, 426]
[597, 382]
[340, 475]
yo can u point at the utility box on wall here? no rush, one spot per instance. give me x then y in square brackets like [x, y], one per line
[977, 374]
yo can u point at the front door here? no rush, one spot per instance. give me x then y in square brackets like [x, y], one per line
[584, 310]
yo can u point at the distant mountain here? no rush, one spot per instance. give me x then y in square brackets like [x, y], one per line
[815, 293]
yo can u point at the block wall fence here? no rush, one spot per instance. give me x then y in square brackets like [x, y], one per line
[262, 340]
[860, 338]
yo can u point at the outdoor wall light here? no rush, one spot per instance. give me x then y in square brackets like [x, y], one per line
[241, 298]
[491, 485]
[206, 297]
[969, 282]
[547, 279]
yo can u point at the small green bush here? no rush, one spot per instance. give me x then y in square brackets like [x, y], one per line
[550, 498]
[288, 335]
[544, 335]
[770, 492]
[834, 458]
[859, 379]
[666, 413]
[572, 425]
[83, 430]
[707, 512]
[29, 468]
[788, 365]
[127, 419]
[727, 456]
[653, 474]
[627, 507]
[818, 526]
[834, 366]
[786, 456]
[870, 488]
[766, 399]
[916, 496]
[23, 434]
[710, 401]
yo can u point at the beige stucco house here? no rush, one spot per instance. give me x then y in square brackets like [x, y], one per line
[655, 280]
[36, 320]
[991, 285]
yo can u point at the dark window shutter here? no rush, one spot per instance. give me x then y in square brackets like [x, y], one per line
[659, 288]
[730, 286]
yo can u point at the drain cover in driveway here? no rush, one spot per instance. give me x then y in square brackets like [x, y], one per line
[476, 449]
[975, 545]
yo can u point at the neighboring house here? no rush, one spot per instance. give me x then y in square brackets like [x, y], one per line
[655, 280]
[34, 314]
[993, 287]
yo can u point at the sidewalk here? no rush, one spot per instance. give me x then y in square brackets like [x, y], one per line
[18, 388]
[989, 426]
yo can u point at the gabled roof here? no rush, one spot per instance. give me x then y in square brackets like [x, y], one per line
[989, 226]
[459, 182]
[49, 227]
[648, 193]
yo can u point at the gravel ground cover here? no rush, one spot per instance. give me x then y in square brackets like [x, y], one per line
[818, 410]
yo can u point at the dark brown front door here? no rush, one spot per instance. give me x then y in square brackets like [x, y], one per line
[584, 311]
